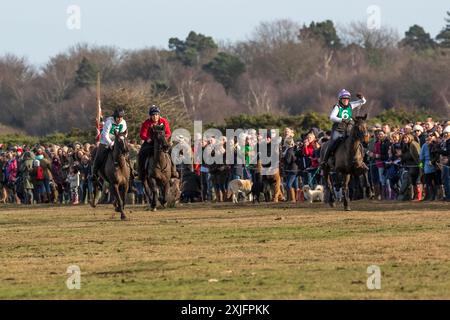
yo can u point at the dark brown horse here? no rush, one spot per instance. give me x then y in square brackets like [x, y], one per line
[116, 172]
[348, 161]
[158, 169]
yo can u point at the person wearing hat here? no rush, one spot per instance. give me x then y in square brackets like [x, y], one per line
[147, 147]
[107, 136]
[341, 116]
[418, 134]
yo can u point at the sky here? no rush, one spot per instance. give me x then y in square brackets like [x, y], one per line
[39, 29]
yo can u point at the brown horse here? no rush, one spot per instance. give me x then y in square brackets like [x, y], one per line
[158, 169]
[348, 161]
[116, 172]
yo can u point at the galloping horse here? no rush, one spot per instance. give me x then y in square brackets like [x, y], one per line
[158, 169]
[116, 172]
[348, 161]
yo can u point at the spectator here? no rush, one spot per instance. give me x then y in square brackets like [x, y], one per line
[74, 182]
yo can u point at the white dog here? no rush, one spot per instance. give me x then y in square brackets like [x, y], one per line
[313, 195]
[238, 185]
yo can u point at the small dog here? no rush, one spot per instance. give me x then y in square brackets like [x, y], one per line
[239, 185]
[313, 195]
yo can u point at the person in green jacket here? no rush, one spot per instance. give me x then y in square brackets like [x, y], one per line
[26, 170]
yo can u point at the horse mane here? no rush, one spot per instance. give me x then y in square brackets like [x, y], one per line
[117, 154]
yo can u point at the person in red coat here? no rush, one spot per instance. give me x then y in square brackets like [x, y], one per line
[148, 144]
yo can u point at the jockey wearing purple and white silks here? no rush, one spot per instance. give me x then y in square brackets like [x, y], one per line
[341, 116]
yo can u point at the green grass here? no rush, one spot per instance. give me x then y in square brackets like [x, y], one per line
[227, 252]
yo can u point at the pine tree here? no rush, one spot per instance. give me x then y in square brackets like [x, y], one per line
[86, 74]
[443, 38]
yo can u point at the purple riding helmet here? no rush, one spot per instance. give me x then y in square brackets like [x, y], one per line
[344, 94]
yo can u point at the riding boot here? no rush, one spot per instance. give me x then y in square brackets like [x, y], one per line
[417, 193]
[327, 154]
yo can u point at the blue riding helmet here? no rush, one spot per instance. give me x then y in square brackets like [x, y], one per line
[154, 110]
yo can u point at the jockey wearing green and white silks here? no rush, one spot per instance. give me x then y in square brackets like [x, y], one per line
[107, 136]
[341, 116]
[116, 122]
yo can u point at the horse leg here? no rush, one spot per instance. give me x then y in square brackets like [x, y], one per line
[95, 198]
[165, 194]
[345, 191]
[368, 186]
[154, 190]
[118, 200]
[147, 192]
[123, 194]
[329, 188]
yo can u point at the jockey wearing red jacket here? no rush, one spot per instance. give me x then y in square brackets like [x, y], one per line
[146, 135]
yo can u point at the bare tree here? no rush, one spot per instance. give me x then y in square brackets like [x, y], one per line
[191, 89]
[261, 96]
[358, 33]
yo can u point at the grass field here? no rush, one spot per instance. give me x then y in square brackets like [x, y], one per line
[210, 251]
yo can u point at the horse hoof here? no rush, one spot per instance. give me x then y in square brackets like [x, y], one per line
[153, 209]
[332, 204]
[348, 209]
[93, 205]
[123, 217]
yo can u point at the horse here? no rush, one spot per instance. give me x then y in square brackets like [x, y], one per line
[158, 169]
[348, 161]
[116, 172]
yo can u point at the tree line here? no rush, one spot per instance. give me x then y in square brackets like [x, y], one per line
[283, 69]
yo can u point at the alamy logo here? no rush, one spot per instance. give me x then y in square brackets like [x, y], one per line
[211, 147]
[373, 17]
[74, 20]
[74, 280]
[374, 280]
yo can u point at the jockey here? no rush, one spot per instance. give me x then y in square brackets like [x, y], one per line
[116, 122]
[341, 116]
[146, 135]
